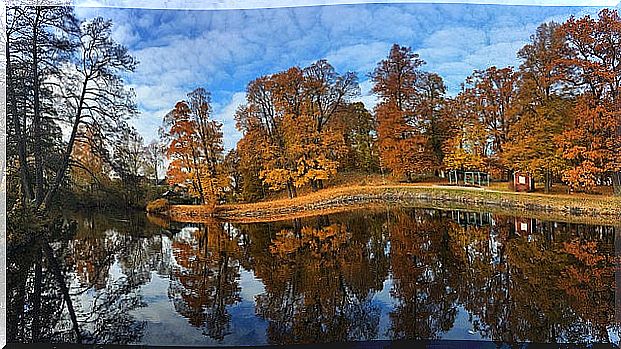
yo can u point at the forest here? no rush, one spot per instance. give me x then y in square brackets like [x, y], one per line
[557, 116]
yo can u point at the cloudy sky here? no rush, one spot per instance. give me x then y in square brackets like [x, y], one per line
[222, 50]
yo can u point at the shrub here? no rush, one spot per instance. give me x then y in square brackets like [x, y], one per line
[158, 206]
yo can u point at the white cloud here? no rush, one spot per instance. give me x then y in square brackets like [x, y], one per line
[224, 50]
[361, 57]
[227, 116]
[367, 97]
[500, 55]
[149, 122]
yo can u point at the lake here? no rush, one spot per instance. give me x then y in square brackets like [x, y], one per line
[394, 273]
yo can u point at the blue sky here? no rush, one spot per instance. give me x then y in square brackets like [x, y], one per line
[222, 50]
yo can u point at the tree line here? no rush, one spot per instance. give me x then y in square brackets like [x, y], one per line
[67, 112]
[556, 116]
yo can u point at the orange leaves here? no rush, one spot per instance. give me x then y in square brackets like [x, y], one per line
[582, 177]
[289, 119]
[195, 148]
[590, 62]
[316, 241]
[407, 103]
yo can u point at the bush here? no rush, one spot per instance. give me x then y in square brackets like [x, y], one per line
[158, 206]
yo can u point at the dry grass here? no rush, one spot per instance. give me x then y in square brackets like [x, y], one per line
[585, 200]
[583, 207]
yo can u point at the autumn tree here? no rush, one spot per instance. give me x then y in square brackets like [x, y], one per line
[542, 108]
[89, 163]
[589, 64]
[232, 167]
[261, 123]
[154, 159]
[195, 148]
[289, 119]
[252, 187]
[358, 127]
[406, 114]
[466, 142]
[492, 93]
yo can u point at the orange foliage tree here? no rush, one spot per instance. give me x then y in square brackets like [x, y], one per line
[492, 93]
[465, 146]
[542, 108]
[195, 148]
[87, 163]
[590, 64]
[408, 101]
[289, 123]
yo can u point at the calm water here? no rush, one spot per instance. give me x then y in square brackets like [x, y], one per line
[392, 274]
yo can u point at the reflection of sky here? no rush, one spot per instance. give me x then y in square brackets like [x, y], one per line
[165, 326]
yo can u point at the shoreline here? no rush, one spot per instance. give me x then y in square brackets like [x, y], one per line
[601, 210]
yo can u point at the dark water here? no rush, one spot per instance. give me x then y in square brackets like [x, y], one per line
[391, 274]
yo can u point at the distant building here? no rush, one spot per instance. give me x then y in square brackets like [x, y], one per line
[523, 181]
[469, 178]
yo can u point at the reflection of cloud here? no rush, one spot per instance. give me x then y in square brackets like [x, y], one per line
[222, 51]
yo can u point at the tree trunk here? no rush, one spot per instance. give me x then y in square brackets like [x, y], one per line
[616, 183]
[19, 132]
[291, 189]
[37, 114]
[36, 303]
[547, 182]
[64, 290]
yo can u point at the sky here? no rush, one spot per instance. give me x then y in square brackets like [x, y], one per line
[222, 50]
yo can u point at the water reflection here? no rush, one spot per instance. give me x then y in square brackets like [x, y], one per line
[319, 279]
[387, 274]
[65, 286]
[204, 280]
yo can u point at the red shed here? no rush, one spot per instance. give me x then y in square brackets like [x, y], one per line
[523, 181]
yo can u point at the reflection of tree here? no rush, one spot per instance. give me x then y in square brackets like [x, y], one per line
[205, 281]
[551, 282]
[589, 283]
[546, 286]
[422, 270]
[61, 288]
[34, 303]
[319, 280]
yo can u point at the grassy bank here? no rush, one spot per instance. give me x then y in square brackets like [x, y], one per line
[583, 208]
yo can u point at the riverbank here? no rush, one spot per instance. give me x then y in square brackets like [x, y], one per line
[587, 209]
